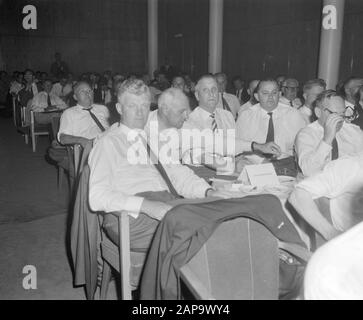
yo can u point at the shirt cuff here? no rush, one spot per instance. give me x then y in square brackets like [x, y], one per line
[133, 204]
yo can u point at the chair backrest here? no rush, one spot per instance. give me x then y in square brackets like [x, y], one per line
[55, 122]
[239, 261]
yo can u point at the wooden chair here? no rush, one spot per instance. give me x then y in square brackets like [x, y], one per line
[37, 130]
[240, 261]
[23, 127]
[127, 263]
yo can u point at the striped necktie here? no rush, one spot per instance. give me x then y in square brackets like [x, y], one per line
[214, 123]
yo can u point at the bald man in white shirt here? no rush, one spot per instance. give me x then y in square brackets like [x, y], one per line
[121, 169]
[270, 120]
[77, 124]
[329, 137]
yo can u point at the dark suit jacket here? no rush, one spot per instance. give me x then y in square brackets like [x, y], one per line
[185, 229]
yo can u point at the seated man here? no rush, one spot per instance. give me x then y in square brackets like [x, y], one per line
[329, 137]
[29, 90]
[179, 82]
[207, 117]
[17, 84]
[85, 121]
[252, 101]
[63, 88]
[46, 101]
[226, 100]
[120, 169]
[270, 120]
[350, 87]
[289, 90]
[312, 89]
[335, 270]
[342, 182]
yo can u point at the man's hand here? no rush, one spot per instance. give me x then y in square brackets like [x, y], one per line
[269, 148]
[331, 127]
[155, 209]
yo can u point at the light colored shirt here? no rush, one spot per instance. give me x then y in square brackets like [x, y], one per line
[78, 122]
[252, 125]
[335, 270]
[342, 182]
[307, 113]
[296, 103]
[245, 106]
[116, 176]
[232, 101]
[349, 108]
[313, 153]
[40, 102]
[15, 87]
[61, 91]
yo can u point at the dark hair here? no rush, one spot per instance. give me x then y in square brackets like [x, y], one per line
[29, 70]
[327, 94]
[266, 80]
[314, 82]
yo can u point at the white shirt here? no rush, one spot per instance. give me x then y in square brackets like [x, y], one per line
[232, 102]
[306, 112]
[40, 102]
[60, 91]
[116, 177]
[313, 153]
[245, 107]
[334, 272]
[342, 182]
[78, 122]
[187, 145]
[252, 125]
[296, 103]
[15, 87]
[349, 108]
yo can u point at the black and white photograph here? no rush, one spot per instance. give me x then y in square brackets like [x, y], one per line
[183, 150]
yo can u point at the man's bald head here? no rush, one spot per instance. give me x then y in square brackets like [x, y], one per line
[83, 94]
[173, 108]
[206, 92]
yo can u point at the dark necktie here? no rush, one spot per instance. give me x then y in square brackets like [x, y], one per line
[99, 124]
[335, 150]
[161, 170]
[48, 100]
[214, 123]
[270, 132]
[225, 104]
[291, 104]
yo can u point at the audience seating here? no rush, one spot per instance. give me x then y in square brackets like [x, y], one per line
[37, 130]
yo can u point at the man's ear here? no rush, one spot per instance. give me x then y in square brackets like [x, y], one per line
[304, 95]
[196, 95]
[119, 108]
[256, 97]
[74, 97]
[317, 111]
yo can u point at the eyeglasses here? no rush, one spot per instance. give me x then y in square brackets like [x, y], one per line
[349, 118]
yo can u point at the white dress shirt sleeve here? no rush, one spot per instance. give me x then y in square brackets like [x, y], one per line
[186, 182]
[103, 162]
[311, 158]
[333, 180]
[66, 124]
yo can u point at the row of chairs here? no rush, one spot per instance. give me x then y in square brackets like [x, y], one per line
[27, 129]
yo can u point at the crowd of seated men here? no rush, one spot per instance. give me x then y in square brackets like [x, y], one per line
[271, 118]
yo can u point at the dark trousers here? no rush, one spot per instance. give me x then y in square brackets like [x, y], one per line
[142, 230]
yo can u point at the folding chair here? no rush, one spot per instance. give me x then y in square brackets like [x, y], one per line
[240, 261]
[127, 263]
[37, 130]
[23, 127]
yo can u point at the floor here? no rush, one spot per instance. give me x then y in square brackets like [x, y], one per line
[33, 218]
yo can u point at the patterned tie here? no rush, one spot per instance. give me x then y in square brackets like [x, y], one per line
[270, 132]
[335, 150]
[214, 123]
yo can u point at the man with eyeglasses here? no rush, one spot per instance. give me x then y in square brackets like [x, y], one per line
[328, 138]
[289, 90]
[351, 87]
[85, 121]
